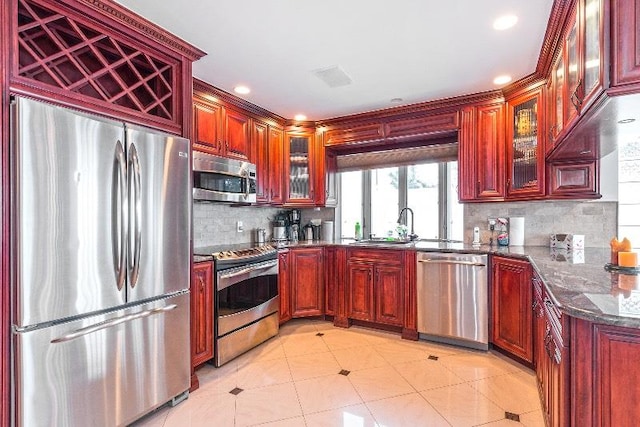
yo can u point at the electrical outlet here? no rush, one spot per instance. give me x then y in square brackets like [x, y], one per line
[491, 224]
[239, 227]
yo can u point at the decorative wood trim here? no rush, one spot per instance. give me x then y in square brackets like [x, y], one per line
[525, 84]
[407, 111]
[553, 35]
[206, 92]
[410, 326]
[146, 28]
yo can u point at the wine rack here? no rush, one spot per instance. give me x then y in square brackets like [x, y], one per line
[69, 53]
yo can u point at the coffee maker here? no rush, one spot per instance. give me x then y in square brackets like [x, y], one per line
[295, 230]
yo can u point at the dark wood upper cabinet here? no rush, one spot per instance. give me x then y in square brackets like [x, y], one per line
[481, 155]
[301, 165]
[207, 127]
[236, 137]
[525, 149]
[625, 39]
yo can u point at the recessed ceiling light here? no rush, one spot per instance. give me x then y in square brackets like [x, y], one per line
[500, 80]
[396, 100]
[242, 90]
[505, 22]
[300, 117]
[625, 121]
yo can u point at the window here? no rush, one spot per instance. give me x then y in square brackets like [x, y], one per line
[629, 191]
[374, 198]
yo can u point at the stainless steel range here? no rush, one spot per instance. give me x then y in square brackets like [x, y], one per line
[246, 300]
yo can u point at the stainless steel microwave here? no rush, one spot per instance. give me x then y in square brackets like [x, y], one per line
[223, 180]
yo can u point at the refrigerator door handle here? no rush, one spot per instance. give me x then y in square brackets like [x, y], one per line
[120, 218]
[111, 322]
[135, 212]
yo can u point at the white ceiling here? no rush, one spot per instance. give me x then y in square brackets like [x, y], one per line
[417, 50]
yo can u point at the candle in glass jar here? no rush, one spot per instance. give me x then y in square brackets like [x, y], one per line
[628, 259]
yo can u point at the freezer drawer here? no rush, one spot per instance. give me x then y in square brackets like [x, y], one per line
[105, 370]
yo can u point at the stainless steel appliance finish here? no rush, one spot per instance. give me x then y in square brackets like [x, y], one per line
[101, 273]
[246, 302]
[453, 298]
[222, 179]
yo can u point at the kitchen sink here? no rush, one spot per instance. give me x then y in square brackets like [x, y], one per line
[383, 241]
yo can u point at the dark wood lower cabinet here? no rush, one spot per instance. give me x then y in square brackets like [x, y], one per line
[306, 279]
[607, 374]
[511, 299]
[376, 286]
[201, 317]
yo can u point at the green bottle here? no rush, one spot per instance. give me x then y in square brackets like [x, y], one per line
[358, 231]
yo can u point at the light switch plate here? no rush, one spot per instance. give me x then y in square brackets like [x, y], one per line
[239, 226]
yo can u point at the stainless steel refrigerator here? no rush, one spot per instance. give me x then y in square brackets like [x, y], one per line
[100, 268]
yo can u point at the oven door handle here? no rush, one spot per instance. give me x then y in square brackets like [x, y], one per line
[228, 279]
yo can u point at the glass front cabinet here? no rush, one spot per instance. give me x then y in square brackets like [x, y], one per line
[525, 146]
[300, 168]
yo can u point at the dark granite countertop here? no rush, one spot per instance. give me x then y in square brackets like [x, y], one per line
[576, 281]
[202, 258]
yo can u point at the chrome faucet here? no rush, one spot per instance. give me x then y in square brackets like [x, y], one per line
[412, 235]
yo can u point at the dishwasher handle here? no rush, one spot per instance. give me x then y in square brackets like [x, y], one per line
[451, 261]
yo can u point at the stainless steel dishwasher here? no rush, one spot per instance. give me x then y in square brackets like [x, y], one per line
[453, 298]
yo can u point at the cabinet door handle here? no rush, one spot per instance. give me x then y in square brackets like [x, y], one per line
[509, 184]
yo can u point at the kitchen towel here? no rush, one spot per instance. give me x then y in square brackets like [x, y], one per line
[516, 231]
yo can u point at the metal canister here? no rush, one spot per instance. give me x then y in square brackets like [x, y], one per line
[261, 236]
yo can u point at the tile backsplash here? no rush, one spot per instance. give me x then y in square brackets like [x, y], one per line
[215, 223]
[596, 220]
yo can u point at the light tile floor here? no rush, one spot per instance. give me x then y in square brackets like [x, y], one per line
[294, 380]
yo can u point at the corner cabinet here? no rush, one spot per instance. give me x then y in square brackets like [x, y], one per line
[511, 301]
[481, 153]
[306, 278]
[201, 313]
[302, 168]
[375, 286]
[525, 146]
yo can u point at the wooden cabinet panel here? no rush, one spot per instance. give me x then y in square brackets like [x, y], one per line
[435, 123]
[236, 134]
[511, 302]
[489, 153]
[260, 156]
[307, 282]
[207, 128]
[284, 286]
[625, 39]
[360, 291]
[572, 75]
[389, 295]
[201, 313]
[331, 280]
[276, 167]
[617, 374]
[353, 134]
[574, 179]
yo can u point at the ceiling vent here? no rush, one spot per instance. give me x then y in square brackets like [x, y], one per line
[333, 76]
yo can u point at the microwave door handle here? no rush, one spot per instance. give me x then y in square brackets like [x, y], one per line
[135, 207]
[119, 215]
[245, 176]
